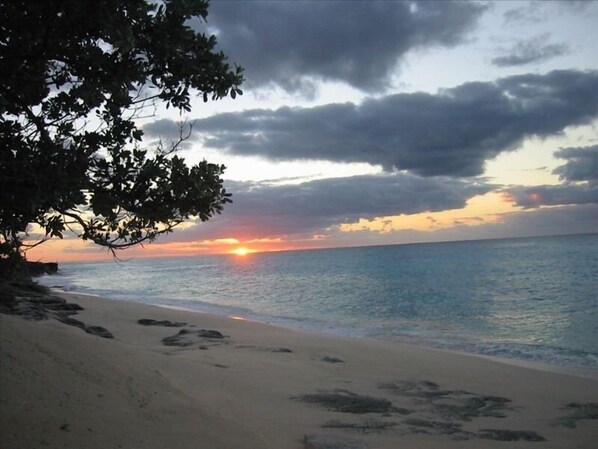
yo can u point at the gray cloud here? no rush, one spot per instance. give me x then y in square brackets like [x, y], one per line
[576, 219]
[451, 133]
[524, 14]
[357, 42]
[532, 197]
[582, 164]
[261, 210]
[580, 173]
[538, 11]
[529, 51]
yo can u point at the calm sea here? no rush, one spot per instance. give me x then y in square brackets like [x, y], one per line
[532, 299]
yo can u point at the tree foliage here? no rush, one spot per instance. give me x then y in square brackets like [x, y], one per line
[75, 77]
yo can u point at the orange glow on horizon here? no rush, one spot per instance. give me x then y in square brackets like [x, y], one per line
[242, 251]
[479, 211]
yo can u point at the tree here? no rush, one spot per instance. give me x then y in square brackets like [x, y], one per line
[76, 75]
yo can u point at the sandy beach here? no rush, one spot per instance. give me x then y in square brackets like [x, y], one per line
[180, 379]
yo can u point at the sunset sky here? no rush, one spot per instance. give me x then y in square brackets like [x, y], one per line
[367, 123]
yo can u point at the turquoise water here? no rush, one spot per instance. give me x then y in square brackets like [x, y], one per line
[531, 299]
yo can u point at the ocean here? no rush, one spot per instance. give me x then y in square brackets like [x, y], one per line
[532, 299]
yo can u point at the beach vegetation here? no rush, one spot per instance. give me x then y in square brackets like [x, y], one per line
[78, 79]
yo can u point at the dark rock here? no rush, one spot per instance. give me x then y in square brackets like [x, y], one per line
[432, 427]
[325, 441]
[366, 426]
[421, 389]
[266, 348]
[209, 334]
[510, 435]
[99, 331]
[41, 268]
[31, 301]
[220, 365]
[588, 410]
[71, 321]
[165, 323]
[64, 307]
[471, 406]
[451, 404]
[186, 337]
[63, 313]
[51, 300]
[10, 289]
[441, 426]
[578, 411]
[29, 309]
[347, 402]
[176, 340]
[279, 350]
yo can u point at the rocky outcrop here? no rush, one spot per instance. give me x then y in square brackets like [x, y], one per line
[164, 323]
[32, 302]
[187, 337]
[41, 268]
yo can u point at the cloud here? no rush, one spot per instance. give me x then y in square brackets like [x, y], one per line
[261, 210]
[582, 164]
[579, 219]
[530, 51]
[169, 130]
[532, 197]
[450, 133]
[359, 43]
[537, 11]
[580, 174]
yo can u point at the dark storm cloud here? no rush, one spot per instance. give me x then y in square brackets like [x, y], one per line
[357, 42]
[451, 133]
[349, 198]
[582, 164]
[530, 51]
[261, 210]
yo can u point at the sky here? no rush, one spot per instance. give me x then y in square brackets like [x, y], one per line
[389, 122]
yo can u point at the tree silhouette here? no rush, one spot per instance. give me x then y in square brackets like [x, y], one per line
[75, 77]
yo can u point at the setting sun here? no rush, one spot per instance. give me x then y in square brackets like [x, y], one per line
[241, 251]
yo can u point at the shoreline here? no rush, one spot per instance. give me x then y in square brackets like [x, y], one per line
[231, 383]
[588, 373]
[295, 324]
